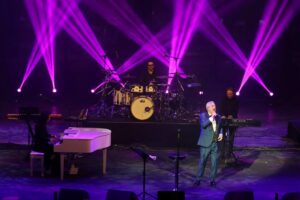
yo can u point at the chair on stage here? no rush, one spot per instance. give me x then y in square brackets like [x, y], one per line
[34, 155]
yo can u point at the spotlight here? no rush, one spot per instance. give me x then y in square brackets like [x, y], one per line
[54, 90]
[92, 91]
[271, 94]
[167, 91]
[19, 90]
[201, 92]
[237, 93]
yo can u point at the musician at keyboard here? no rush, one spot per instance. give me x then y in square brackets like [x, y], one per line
[43, 142]
[229, 110]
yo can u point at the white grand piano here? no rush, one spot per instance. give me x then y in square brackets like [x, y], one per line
[83, 140]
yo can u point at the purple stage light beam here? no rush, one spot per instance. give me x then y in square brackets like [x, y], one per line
[41, 12]
[121, 16]
[143, 53]
[38, 51]
[276, 18]
[45, 40]
[217, 33]
[82, 33]
[146, 51]
[187, 15]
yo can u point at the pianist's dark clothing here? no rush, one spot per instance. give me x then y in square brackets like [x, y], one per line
[41, 143]
[230, 107]
[41, 139]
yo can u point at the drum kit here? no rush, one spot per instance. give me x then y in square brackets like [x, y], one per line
[143, 102]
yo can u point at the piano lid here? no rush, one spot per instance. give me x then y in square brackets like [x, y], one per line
[83, 133]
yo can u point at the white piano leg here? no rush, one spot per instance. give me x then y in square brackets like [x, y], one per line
[62, 166]
[104, 161]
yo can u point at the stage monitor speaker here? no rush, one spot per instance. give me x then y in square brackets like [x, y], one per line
[294, 130]
[74, 194]
[120, 195]
[291, 196]
[238, 195]
[170, 195]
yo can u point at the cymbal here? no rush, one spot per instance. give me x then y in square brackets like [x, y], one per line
[193, 85]
[189, 76]
[163, 77]
[173, 74]
[128, 76]
[162, 84]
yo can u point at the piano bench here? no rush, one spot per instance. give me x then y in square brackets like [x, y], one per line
[38, 156]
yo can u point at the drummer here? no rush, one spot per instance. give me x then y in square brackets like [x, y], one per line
[149, 77]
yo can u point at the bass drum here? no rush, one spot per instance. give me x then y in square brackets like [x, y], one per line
[142, 108]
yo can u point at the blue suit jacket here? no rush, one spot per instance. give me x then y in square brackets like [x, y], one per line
[206, 129]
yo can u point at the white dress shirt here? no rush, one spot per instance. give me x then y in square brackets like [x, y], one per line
[214, 123]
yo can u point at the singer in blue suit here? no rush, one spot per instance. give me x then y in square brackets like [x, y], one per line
[210, 136]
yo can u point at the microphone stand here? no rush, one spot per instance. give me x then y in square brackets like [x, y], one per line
[145, 157]
[177, 161]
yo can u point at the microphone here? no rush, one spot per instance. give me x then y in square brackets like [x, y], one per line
[215, 116]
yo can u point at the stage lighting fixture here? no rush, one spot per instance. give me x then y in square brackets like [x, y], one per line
[237, 93]
[92, 91]
[271, 94]
[54, 90]
[19, 90]
[201, 92]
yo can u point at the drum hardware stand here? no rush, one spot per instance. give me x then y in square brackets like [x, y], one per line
[102, 108]
[177, 113]
[145, 157]
[122, 110]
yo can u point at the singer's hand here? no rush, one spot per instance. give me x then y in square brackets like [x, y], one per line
[220, 138]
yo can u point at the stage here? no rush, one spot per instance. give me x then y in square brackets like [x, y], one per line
[268, 161]
[87, 82]
[149, 133]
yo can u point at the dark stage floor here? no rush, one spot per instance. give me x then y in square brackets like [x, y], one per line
[269, 163]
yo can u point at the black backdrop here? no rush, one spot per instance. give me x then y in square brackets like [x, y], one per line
[76, 72]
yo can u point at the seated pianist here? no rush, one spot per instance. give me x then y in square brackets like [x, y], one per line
[43, 142]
